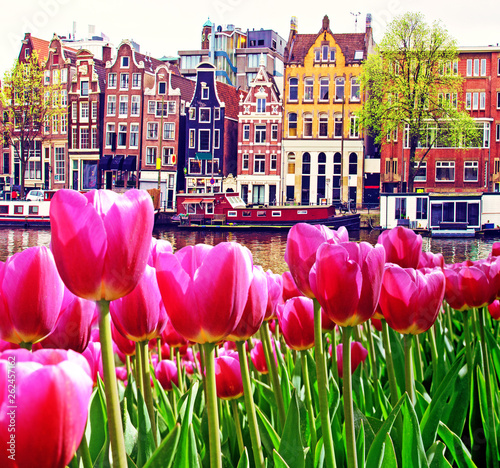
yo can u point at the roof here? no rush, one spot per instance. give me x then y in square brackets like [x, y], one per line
[349, 43]
[185, 86]
[230, 96]
[41, 46]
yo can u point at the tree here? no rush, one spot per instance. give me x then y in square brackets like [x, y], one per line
[412, 84]
[28, 107]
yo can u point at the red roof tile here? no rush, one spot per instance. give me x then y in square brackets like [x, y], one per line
[230, 96]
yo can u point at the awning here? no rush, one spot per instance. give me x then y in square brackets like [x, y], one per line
[105, 162]
[208, 200]
[130, 163]
[205, 156]
[117, 163]
[192, 201]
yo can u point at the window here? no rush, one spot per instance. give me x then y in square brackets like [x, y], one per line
[482, 101]
[476, 67]
[94, 110]
[172, 107]
[123, 108]
[135, 105]
[84, 88]
[134, 135]
[274, 162]
[294, 89]
[475, 101]
[216, 138]
[400, 208]
[274, 132]
[355, 89]
[84, 138]
[74, 111]
[46, 76]
[194, 167]
[244, 162]
[162, 88]
[259, 163]
[110, 134]
[204, 140]
[64, 123]
[204, 114]
[192, 113]
[291, 163]
[253, 60]
[123, 80]
[167, 156]
[261, 105]
[122, 135]
[151, 155]
[161, 109]
[307, 125]
[246, 132]
[339, 89]
[469, 67]
[136, 80]
[354, 128]
[323, 125]
[111, 108]
[292, 124]
[324, 84]
[421, 173]
[308, 89]
[445, 171]
[125, 62]
[94, 138]
[260, 134]
[498, 100]
[204, 92]
[151, 107]
[337, 126]
[358, 55]
[497, 132]
[64, 75]
[192, 138]
[84, 111]
[216, 113]
[111, 80]
[59, 174]
[168, 131]
[64, 97]
[470, 171]
[324, 53]
[152, 131]
[483, 67]
[421, 208]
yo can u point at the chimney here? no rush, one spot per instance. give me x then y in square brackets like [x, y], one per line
[368, 21]
[106, 53]
[326, 23]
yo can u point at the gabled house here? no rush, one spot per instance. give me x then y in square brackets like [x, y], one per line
[259, 142]
[211, 133]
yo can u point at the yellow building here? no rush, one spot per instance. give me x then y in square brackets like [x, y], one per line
[323, 149]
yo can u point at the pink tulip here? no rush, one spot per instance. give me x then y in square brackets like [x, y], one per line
[402, 246]
[346, 281]
[431, 260]
[410, 299]
[302, 244]
[43, 420]
[255, 307]
[93, 355]
[327, 325]
[101, 240]
[377, 324]
[170, 336]
[31, 294]
[495, 249]
[166, 374]
[274, 294]
[297, 323]
[74, 325]
[259, 358]
[140, 315]
[157, 247]
[358, 355]
[125, 346]
[472, 284]
[494, 309]
[228, 379]
[205, 289]
[289, 287]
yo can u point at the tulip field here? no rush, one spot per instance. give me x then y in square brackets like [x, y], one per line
[116, 351]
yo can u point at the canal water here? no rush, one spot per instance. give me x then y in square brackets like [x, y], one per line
[267, 247]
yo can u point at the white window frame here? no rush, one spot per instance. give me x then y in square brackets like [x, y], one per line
[152, 131]
[445, 164]
[245, 162]
[111, 80]
[472, 165]
[134, 130]
[204, 130]
[168, 130]
[151, 152]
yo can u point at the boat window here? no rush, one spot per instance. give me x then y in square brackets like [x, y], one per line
[261, 214]
[34, 210]
[302, 212]
[231, 214]
[276, 214]
[473, 214]
[18, 209]
[246, 214]
[4, 209]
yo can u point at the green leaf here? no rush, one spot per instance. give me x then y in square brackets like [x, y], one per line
[163, 456]
[435, 456]
[278, 461]
[244, 460]
[291, 447]
[267, 429]
[389, 460]
[360, 445]
[456, 447]
[376, 453]
[145, 441]
[369, 436]
[129, 431]
[398, 357]
[413, 448]
[284, 378]
[97, 426]
[164, 406]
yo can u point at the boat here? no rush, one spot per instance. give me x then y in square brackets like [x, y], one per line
[228, 211]
[26, 213]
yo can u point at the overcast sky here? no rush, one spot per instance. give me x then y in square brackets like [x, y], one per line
[163, 27]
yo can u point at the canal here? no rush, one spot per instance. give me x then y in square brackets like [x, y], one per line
[267, 247]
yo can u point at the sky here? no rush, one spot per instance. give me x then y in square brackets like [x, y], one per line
[163, 27]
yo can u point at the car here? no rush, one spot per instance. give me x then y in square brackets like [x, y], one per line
[35, 195]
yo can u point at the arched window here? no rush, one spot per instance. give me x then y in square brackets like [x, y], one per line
[291, 163]
[294, 89]
[308, 125]
[306, 163]
[324, 85]
[353, 164]
[323, 125]
[308, 89]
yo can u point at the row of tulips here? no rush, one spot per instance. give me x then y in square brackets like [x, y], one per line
[106, 290]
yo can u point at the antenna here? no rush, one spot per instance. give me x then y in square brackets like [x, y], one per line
[355, 20]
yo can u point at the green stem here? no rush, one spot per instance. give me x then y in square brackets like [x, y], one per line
[271, 365]
[418, 360]
[239, 434]
[28, 346]
[179, 369]
[213, 416]
[487, 378]
[129, 367]
[434, 353]
[158, 345]
[115, 428]
[391, 374]
[250, 406]
[468, 344]
[310, 409]
[148, 394]
[85, 453]
[335, 369]
[138, 368]
[450, 323]
[409, 376]
[321, 377]
[352, 460]
[371, 351]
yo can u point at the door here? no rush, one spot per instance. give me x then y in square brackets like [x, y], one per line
[46, 174]
[75, 180]
[109, 180]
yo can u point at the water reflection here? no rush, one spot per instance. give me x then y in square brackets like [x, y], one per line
[268, 248]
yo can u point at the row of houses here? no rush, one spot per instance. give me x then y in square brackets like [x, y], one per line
[275, 133]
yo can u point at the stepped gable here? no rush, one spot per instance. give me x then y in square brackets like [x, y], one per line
[230, 96]
[185, 86]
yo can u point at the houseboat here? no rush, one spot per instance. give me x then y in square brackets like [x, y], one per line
[228, 210]
[442, 214]
[26, 213]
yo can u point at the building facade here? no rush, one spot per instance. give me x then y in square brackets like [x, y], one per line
[323, 147]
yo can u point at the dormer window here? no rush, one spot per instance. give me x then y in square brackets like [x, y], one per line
[358, 55]
[261, 105]
[204, 92]
[324, 54]
[125, 62]
[162, 88]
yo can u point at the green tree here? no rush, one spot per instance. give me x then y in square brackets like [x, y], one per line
[28, 107]
[412, 85]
